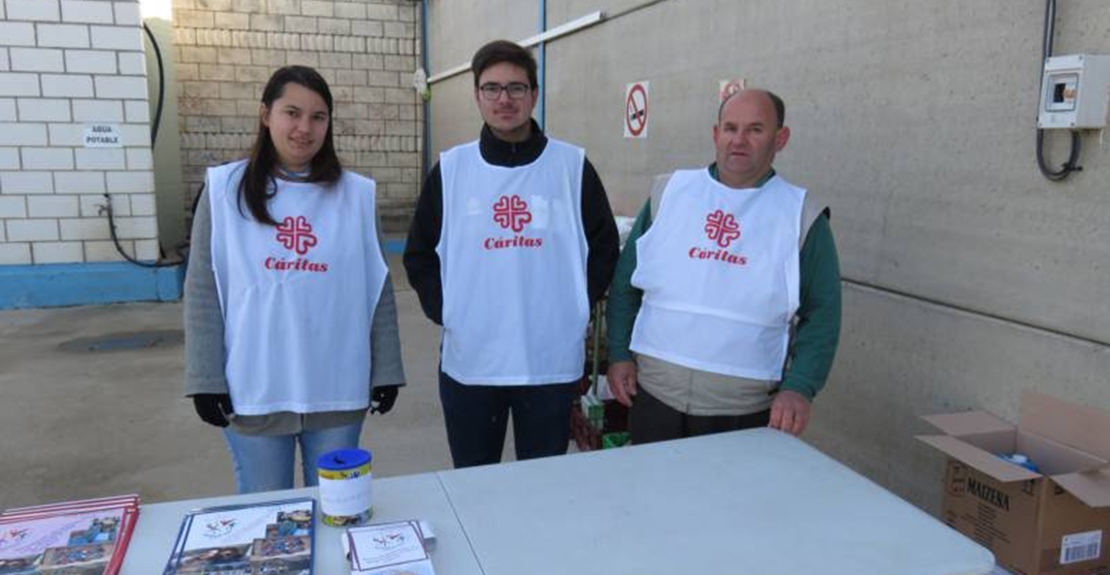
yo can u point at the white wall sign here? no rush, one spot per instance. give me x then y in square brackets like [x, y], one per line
[636, 110]
[727, 88]
[102, 136]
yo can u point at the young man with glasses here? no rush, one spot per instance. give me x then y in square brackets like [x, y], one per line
[512, 243]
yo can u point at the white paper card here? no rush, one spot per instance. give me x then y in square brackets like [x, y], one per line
[390, 544]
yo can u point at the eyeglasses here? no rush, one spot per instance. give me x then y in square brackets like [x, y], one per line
[492, 90]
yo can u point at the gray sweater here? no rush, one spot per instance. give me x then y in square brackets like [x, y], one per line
[204, 343]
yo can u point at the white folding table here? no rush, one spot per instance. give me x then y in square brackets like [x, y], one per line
[757, 501]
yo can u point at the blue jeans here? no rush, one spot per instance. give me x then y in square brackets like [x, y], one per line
[265, 463]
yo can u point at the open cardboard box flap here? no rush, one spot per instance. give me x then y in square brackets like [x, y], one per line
[1070, 442]
[1090, 487]
[980, 459]
[968, 423]
[1084, 428]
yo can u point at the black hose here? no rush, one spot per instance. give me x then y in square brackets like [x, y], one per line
[153, 139]
[1068, 167]
[1049, 28]
[161, 87]
[119, 248]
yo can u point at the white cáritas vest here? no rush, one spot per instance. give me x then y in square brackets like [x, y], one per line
[513, 263]
[720, 275]
[298, 300]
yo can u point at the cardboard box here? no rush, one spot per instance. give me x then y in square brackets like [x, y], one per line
[1056, 522]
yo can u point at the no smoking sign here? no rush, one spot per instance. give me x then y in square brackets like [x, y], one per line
[636, 110]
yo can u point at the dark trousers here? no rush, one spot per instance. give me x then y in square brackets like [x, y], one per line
[651, 420]
[477, 419]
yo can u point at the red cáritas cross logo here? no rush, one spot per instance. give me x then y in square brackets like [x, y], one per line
[511, 212]
[722, 228]
[296, 234]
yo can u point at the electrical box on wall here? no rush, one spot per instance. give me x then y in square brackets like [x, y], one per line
[1075, 92]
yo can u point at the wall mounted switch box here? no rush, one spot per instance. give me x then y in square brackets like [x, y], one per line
[1075, 92]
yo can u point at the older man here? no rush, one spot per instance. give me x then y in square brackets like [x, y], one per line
[724, 311]
[512, 242]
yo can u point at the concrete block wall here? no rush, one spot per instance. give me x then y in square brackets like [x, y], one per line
[366, 50]
[66, 64]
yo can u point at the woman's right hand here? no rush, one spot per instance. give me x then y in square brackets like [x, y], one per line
[213, 408]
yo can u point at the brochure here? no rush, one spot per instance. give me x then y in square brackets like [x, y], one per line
[388, 548]
[87, 537]
[98, 503]
[274, 537]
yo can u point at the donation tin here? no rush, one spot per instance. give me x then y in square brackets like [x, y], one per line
[345, 495]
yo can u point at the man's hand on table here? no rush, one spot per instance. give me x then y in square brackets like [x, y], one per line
[789, 412]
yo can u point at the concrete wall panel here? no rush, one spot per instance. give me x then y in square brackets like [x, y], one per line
[587, 75]
[567, 10]
[901, 358]
[457, 29]
[454, 114]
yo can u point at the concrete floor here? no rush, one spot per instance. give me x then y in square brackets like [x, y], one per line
[89, 424]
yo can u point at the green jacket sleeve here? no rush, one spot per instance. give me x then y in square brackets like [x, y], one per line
[818, 330]
[624, 299]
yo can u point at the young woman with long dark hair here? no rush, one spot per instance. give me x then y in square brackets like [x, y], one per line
[290, 318]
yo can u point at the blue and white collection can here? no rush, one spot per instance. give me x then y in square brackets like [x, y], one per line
[346, 497]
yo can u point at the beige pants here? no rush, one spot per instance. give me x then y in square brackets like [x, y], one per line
[695, 392]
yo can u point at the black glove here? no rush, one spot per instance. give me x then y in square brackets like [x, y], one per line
[383, 399]
[213, 408]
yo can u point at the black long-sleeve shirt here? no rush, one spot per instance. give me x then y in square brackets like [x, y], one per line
[422, 261]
